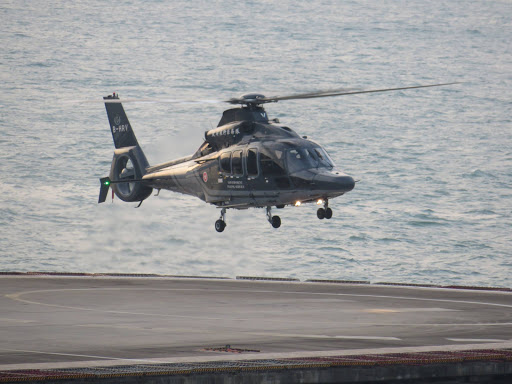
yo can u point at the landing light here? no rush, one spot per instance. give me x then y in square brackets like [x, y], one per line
[297, 203]
[320, 202]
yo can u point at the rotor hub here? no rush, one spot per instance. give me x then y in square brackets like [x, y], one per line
[250, 99]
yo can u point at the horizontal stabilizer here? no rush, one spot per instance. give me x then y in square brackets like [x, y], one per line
[105, 185]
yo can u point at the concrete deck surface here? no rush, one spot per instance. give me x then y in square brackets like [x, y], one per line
[58, 322]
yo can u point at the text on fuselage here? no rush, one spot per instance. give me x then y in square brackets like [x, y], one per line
[120, 128]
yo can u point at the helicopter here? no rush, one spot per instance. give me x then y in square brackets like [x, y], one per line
[247, 161]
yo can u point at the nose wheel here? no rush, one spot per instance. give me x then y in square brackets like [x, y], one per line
[220, 224]
[325, 212]
[274, 220]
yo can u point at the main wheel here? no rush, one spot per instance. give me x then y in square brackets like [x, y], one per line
[328, 213]
[320, 213]
[276, 221]
[220, 225]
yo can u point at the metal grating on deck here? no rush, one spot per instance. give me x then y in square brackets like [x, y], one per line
[425, 358]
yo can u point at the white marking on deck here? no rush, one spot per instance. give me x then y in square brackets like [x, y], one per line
[477, 340]
[408, 310]
[16, 320]
[300, 335]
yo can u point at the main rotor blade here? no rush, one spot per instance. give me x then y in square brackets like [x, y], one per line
[260, 99]
[343, 92]
[257, 99]
[148, 101]
[159, 101]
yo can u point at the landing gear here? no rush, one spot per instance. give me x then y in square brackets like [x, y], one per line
[220, 224]
[274, 220]
[324, 213]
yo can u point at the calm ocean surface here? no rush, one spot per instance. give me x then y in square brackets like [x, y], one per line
[434, 201]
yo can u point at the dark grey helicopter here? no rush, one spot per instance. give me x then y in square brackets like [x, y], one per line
[247, 161]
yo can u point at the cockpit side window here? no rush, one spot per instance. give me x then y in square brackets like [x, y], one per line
[323, 157]
[299, 159]
[270, 166]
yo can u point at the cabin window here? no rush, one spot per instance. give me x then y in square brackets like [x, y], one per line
[252, 162]
[225, 162]
[236, 163]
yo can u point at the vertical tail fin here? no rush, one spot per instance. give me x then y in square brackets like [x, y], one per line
[122, 131]
[129, 163]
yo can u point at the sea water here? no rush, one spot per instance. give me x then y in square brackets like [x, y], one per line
[433, 202]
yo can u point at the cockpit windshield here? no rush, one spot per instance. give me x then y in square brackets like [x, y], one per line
[302, 158]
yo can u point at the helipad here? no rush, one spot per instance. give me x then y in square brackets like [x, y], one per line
[77, 322]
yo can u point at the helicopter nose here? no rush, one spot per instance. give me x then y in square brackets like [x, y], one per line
[334, 181]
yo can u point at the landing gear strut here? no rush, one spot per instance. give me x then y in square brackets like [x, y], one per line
[325, 212]
[221, 223]
[274, 220]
